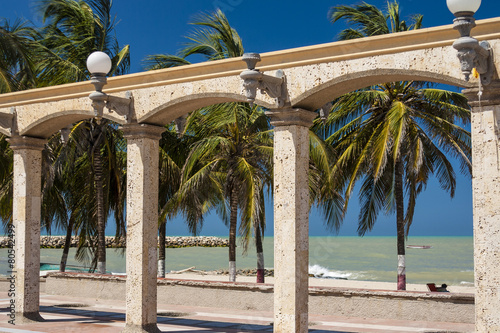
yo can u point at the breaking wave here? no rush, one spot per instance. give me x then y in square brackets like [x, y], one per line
[325, 273]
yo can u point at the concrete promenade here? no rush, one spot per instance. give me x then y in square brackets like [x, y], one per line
[78, 314]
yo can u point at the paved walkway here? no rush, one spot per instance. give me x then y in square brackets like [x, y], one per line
[71, 314]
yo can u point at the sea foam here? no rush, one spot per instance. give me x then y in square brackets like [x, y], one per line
[325, 273]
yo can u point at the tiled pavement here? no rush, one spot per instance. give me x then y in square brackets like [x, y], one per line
[71, 314]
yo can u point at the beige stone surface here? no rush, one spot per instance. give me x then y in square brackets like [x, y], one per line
[26, 221]
[318, 282]
[214, 291]
[142, 225]
[314, 75]
[291, 218]
[486, 204]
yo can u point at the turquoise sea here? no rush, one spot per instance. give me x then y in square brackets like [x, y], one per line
[449, 260]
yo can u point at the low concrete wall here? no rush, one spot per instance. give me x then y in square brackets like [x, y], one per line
[5, 284]
[447, 307]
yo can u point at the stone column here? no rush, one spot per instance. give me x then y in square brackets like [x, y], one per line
[26, 221]
[142, 225]
[291, 218]
[485, 130]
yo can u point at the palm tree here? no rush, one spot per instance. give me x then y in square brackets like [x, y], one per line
[74, 30]
[174, 148]
[394, 136]
[215, 40]
[367, 20]
[18, 49]
[231, 162]
[82, 196]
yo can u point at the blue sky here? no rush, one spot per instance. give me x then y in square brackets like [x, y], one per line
[158, 26]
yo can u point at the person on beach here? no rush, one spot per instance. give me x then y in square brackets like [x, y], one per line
[443, 288]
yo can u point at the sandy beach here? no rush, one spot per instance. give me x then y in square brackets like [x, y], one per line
[317, 282]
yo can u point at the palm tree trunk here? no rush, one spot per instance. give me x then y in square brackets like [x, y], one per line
[260, 255]
[400, 225]
[161, 250]
[67, 244]
[101, 221]
[233, 221]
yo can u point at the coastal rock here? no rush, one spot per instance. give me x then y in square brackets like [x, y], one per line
[57, 242]
[246, 272]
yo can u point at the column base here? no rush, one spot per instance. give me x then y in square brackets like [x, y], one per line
[149, 328]
[28, 318]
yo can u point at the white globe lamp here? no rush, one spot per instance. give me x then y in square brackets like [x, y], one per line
[463, 6]
[99, 63]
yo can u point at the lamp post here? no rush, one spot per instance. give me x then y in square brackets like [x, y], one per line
[253, 79]
[471, 53]
[99, 64]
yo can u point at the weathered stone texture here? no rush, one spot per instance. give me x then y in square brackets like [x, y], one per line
[162, 96]
[348, 302]
[26, 220]
[486, 204]
[313, 85]
[291, 219]
[142, 226]
[162, 104]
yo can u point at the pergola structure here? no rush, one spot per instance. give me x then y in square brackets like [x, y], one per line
[314, 76]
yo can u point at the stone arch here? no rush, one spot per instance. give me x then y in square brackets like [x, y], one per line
[167, 112]
[51, 123]
[316, 97]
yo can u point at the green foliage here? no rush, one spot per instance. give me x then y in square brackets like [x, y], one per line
[18, 50]
[213, 38]
[234, 151]
[74, 29]
[6, 195]
[79, 175]
[57, 54]
[228, 165]
[391, 131]
[410, 122]
[366, 20]
[393, 136]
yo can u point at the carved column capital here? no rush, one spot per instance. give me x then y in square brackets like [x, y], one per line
[139, 131]
[26, 142]
[490, 95]
[291, 116]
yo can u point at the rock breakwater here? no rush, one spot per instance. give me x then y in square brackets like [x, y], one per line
[56, 242]
[245, 272]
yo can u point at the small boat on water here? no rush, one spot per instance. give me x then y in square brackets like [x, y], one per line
[418, 246]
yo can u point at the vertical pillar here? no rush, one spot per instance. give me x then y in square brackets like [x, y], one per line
[142, 226]
[485, 131]
[26, 221]
[291, 218]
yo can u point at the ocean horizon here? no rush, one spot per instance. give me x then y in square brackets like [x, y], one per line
[449, 259]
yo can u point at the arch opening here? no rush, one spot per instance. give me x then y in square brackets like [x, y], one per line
[48, 125]
[168, 112]
[315, 98]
